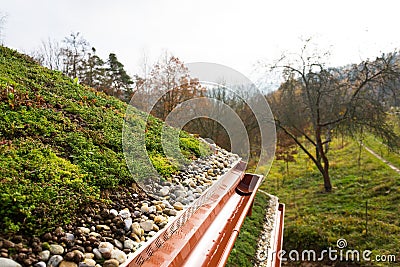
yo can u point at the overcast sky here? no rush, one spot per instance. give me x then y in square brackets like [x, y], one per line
[233, 33]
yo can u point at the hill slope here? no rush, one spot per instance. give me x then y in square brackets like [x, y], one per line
[60, 147]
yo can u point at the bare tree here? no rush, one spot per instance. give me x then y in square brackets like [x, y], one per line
[49, 54]
[315, 100]
[3, 19]
[74, 52]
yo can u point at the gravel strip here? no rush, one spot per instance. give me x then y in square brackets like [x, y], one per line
[264, 243]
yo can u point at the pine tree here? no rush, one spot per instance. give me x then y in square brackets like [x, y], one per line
[94, 71]
[118, 80]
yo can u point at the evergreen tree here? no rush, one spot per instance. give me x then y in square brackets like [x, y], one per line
[94, 71]
[119, 82]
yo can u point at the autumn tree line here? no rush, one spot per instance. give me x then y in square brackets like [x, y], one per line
[314, 103]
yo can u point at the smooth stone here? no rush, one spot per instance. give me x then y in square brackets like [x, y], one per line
[180, 193]
[78, 254]
[152, 209]
[88, 256]
[147, 225]
[5, 262]
[129, 244]
[179, 187]
[97, 254]
[119, 255]
[136, 229]
[164, 191]
[118, 244]
[170, 212]
[198, 190]
[29, 261]
[68, 264]
[44, 255]
[83, 230]
[159, 208]
[106, 255]
[156, 228]
[128, 224]
[158, 219]
[145, 208]
[105, 248]
[178, 206]
[89, 262]
[59, 231]
[40, 264]
[114, 212]
[70, 237]
[111, 263]
[69, 256]
[101, 227]
[95, 235]
[54, 261]
[152, 233]
[56, 249]
[166, 204]
[75, 256]
[134, 236]
[125, 214]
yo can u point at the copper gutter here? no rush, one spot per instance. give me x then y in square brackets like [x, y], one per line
[204, 234]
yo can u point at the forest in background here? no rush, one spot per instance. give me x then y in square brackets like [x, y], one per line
[314, 103]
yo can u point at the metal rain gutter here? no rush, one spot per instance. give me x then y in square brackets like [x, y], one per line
[204, 233]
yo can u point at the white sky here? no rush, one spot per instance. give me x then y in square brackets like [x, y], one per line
[233, 33]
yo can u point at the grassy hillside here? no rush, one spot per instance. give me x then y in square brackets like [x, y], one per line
[61, 147]
[363, 208]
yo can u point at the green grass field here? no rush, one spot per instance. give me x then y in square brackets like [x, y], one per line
[364, 207]
[391, 155]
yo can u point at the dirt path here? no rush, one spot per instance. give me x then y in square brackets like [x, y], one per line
[382, 159]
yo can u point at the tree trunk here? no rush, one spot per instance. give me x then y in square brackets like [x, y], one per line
[325, 168]
[317, 154]
[327, 179]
